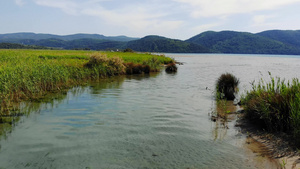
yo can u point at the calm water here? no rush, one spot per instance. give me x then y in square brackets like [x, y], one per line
[157, 121]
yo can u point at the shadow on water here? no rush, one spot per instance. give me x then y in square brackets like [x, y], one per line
[52, 100]
[26, 108]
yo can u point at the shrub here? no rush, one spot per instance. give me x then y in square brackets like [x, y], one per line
[132, 68]
[226, 86]
[128, 50]
[171, 67]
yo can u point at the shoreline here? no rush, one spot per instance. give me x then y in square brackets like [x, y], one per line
[274, 146]
[268, 150]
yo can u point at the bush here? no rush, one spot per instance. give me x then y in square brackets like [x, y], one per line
[171, 67]
[132, 68]
[128, 50]
[226, 86]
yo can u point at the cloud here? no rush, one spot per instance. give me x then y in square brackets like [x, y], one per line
[148, 16]
[205, 27]
[19, 2]
[261, 19]
[217, 8]
[69, 7]
[170, 17]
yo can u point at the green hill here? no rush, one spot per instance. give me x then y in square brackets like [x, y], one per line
[242, 43]
[267, 42]
[40, 36]
[286, 36]
[92, 44]
[162, 44]
[20, 46]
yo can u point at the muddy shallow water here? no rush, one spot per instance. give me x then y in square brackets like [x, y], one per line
[156, 121]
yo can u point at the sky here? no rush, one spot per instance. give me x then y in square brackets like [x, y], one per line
[177, 19]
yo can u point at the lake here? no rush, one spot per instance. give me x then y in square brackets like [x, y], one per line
[143, 121]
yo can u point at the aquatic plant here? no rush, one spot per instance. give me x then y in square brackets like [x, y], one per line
[226, 86]
[275, 106]
[171, 67]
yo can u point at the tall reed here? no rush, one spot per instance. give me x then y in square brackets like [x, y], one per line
[31, 74]
[275, 105]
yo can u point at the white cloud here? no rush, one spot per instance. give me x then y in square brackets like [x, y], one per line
[69, 7]
[142, 17]
[212, 8]
[170, 17]
[261, 19]
[205, 27]
[19, 2]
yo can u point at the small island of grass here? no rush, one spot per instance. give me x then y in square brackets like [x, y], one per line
[31, 74]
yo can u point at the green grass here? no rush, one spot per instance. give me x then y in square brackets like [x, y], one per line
[31, 74]
[275, 106]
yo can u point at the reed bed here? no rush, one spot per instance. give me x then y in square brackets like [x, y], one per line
[275, 106]
[31, 74]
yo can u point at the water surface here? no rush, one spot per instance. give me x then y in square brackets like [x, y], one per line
[156, 121]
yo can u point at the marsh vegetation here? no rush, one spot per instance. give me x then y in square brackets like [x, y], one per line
[32, 74]
[274, 105]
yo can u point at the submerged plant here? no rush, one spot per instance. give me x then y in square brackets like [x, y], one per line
[226, 86]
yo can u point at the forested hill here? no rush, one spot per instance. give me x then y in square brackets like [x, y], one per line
[162, 44]
[40, 36]
[288, 37]
[267, 42]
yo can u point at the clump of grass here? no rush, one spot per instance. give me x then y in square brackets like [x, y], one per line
[226, 86]
[171, 67]
[96, 60]
[106, 66]
[275, 106]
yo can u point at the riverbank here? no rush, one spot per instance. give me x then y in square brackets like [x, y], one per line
[270, 150]
[275, 146]
[273, 108]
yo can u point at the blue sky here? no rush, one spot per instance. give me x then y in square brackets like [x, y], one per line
[178, 19]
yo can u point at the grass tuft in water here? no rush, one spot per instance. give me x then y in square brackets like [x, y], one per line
[171, 67]
[226, 86]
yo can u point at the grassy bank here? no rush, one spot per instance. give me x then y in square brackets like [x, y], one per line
[31, 74]
[275, 106]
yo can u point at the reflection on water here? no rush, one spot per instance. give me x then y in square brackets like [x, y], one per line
[156, 121]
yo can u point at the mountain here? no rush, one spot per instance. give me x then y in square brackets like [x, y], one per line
[19, 46]
[92, 44]
[286, 36]
[243, 43]
[267, 42]
[162, 44]
[34, 36]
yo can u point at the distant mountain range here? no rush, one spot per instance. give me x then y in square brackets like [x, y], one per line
[267, 42]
